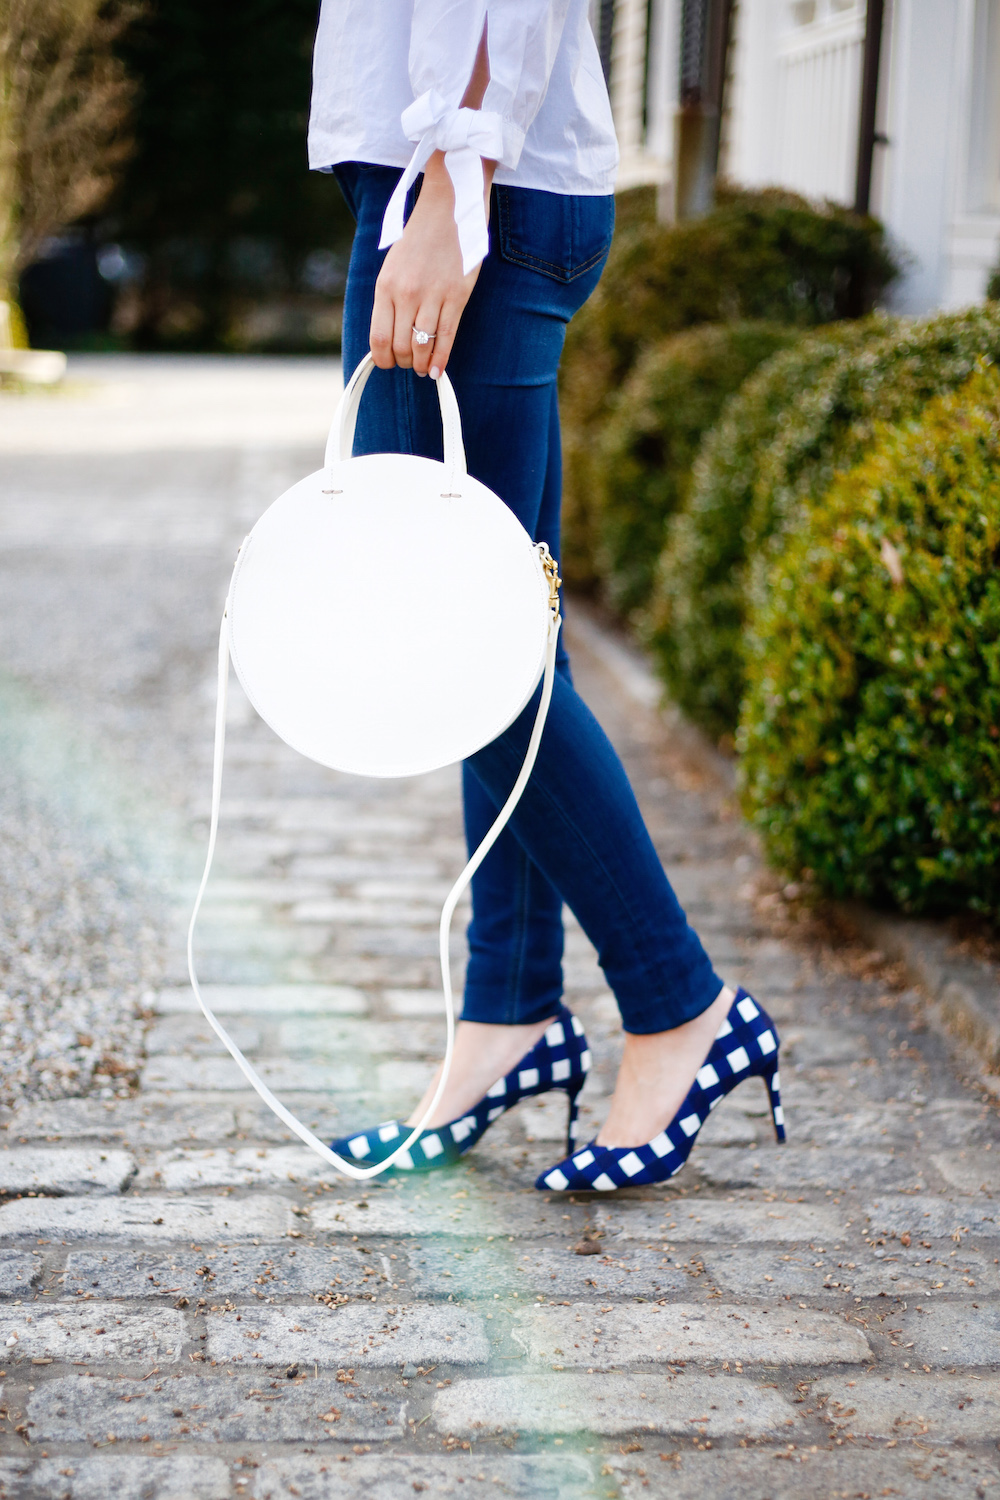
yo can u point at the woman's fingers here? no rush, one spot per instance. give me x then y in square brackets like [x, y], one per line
[404, 315]
[380, 336]
[391, 333]
[447, 326]
[427, 319]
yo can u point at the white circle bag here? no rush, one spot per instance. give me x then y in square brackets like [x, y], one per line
[387, 615]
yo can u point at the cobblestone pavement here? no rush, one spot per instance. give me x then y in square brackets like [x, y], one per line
[192, 1308]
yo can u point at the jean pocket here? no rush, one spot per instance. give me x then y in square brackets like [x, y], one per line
[560, 235]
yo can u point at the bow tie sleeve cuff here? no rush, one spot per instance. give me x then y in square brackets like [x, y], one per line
[513, 142]
[498, 101]
[467, 137]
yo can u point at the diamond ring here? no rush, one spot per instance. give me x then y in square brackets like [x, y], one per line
[421, 338]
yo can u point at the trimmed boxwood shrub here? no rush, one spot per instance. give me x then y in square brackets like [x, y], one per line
[885, 380]
[871, 727]
[587, 383]
[694, 624]
[764, 254]
[642, 463]
[993, 285]
[886, 372]
[758, 255]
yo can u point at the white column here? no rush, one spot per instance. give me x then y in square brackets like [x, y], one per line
[929, 87]
[974, 230]
[751, 127]
[628, 72]
[663, 82]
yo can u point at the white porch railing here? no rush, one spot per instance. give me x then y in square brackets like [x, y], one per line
[819, 63]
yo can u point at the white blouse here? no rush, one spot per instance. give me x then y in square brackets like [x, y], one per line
[389, 76]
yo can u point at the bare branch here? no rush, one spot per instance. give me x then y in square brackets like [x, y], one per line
[65, 103]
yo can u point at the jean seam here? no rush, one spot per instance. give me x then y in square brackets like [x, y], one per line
[551, 268]
[515, 971]
[548, 267]
[410, 414]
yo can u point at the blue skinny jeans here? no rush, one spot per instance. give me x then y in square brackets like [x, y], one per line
[577, 835]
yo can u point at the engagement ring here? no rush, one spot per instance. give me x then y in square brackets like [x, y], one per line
[420, 337]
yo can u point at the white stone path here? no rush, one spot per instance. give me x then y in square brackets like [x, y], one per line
[193, 1308]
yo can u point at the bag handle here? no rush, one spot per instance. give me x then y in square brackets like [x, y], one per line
[349, 1168]
[340, 443]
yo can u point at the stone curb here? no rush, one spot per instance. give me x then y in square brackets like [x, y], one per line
[965, 992]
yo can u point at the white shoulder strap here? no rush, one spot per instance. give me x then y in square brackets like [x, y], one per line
[351, 1169]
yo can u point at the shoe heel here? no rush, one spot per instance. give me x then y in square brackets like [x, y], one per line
[574, 1113]
[774, 1099]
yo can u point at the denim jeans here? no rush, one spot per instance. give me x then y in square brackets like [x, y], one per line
[577, 834]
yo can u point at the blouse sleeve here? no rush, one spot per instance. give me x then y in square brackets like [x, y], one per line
[523, 38]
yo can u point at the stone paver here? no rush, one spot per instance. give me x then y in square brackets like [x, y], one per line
[94, 1171]
[248, 1000]
[473, 1211]
[136, 1476]
[945, 1335]
[103, 1329]
[963, 1409]
[547, 1270]
[18, 1271]
[562, 1476]
[244, 1166]
[581, 1335]
[801, 1473]
[145, 1219]
[75, 1409]
[937, 1217]
[354, 1335]
[819, 1320]
[902, 1272]
[710, 1221]
[148, 1117]
[284, 1269]
[681, 1405]
[969, 1171]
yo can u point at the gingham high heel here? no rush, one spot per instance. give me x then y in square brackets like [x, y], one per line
[560, 1060]
[746, 1046]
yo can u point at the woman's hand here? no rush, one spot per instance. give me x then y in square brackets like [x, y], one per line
[421, 284]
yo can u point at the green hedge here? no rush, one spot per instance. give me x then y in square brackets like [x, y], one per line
[694, 625]
[643, 458]
[758, 255]
[871, 727]
[775, 452]
[766, 255]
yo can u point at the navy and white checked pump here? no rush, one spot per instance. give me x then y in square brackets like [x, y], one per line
[746, 1046]
[560, 1060]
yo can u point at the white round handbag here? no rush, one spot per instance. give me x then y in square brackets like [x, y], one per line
[387, 615]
